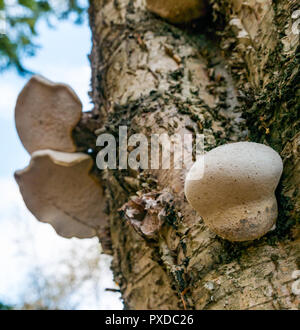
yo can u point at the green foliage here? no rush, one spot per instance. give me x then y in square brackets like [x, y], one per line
[4, 307]
[18, 26]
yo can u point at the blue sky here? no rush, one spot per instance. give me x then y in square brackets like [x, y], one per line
[62, 58]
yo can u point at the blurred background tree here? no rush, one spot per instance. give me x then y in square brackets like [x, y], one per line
[19, 18]
[4, 307]
[65, 282]
[73, 275]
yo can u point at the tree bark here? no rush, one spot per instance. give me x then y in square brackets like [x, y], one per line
[211, 79]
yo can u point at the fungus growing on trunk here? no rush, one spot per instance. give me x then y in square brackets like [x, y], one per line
[146, 213]
[178, 11]
[58, 188]
[232, 187]
[45, 115]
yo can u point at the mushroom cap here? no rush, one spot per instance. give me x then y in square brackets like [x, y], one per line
[58, 189]
[45, 115]
[178, 11]
[232, 187]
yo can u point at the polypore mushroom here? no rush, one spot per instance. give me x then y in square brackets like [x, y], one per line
[45, 115]
[178, 11]
[58, 188]
[232, 187]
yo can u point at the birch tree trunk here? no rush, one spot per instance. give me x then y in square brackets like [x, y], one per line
[232, 77]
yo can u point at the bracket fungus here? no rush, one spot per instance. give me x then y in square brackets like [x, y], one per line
[146, 213]
[232, 187]
[45, 115]
[178, 11]
[58, 188]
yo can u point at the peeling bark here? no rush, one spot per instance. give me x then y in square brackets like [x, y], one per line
[155, 77]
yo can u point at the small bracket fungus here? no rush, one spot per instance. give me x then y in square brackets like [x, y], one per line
[232, 187]
[146, 213]
[58, 189]
[178, 11]
[45, 115]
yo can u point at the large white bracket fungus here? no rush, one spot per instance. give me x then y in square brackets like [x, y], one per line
[58, 188]
[232, 187]
[45, 115]
[178, 11]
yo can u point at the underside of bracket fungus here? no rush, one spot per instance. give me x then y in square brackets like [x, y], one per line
[58, 188]
[45, 115]
[232, 187]
[178, 11]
